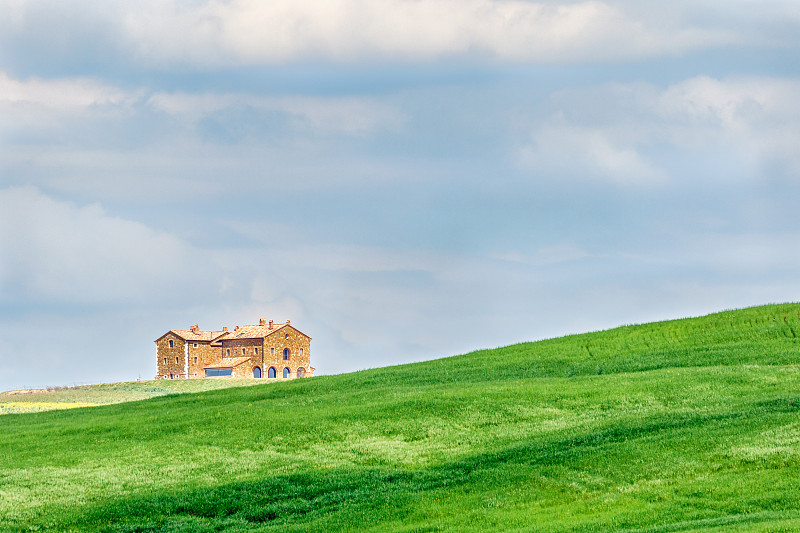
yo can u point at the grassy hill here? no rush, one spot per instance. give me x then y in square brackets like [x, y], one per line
[683, 425]
[37, 400]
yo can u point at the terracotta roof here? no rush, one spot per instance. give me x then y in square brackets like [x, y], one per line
[228, 362]
[218, 340]
[189, 335]
[244, 332]
[254, 332]
[258, 332]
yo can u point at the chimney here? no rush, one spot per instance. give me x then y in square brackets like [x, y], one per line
[288, 322]
[194, 328]
[236, 328]
[270, 324]
[262, 322]
[224, 328]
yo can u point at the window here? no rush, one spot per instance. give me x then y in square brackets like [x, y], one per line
[285, 335]
[195, 360]
[257, 372]
[194, 345]
[177, 360]
[272, 351]
[171, 344]
[301, 351]
[165, 362]
[287, 373]
[243, 351]
[217, 372]
[228, 351]
[256, 349]
[271, 373]
[286, 354]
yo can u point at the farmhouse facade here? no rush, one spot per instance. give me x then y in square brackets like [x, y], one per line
[267, 350]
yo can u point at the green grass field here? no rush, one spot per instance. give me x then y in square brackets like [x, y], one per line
[34, 401]
[687, 425]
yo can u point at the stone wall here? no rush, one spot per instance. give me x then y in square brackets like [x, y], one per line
[245, 370]
[204, 354]
[170, 359]
[287, 337]
[174, 361]
[244, 348]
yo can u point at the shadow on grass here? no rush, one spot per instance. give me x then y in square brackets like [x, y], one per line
[332, 499]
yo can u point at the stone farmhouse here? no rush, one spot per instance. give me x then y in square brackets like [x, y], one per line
[268, 350]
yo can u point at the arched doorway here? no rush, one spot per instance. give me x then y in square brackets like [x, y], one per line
[272, 373]
[287, 373]
[301, 372]
[257, 372]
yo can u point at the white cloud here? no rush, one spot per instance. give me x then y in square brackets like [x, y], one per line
[49, 105]
[615, 133]
[55, 251]
[40, 103]
[61, 94]
[602, 153]
[757, 116]
[321, 115]
[253, 32]
[249, 32]
[257, 32]
[735, 104]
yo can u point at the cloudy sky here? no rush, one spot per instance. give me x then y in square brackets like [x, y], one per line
[403, 179]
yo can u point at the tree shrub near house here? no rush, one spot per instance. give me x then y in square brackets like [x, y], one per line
[692, 424]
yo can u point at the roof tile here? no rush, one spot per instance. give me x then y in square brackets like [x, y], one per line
[203, 336]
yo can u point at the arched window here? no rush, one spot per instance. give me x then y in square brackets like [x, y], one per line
[257, 372]
[271, 373]
[287, 373]
[286, 353]
[301, 372]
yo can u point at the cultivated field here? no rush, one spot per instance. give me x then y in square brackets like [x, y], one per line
[687, 425]
[37, 400]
